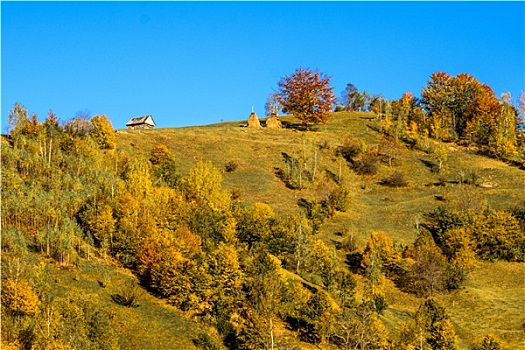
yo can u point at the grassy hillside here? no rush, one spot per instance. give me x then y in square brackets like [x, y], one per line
[150, 324]
[373, 206]
[491, 301]
[76, 212]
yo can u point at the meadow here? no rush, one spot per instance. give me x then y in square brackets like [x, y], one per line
[491, 300]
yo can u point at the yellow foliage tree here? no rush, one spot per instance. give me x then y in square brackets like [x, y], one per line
[203, 184]
[103, 132]
[19, 298]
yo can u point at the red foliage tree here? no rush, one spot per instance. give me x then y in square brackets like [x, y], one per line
[307, 95]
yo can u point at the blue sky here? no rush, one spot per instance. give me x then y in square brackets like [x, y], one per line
[193, 63]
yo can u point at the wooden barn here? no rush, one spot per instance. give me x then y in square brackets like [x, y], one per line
[145, 122]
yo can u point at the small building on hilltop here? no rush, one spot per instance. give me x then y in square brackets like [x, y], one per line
[145, 122]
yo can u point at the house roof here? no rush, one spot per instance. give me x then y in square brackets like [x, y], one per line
[147, 119]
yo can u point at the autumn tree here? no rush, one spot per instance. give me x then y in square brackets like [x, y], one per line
[227, 284]
[17, 119]
[353, 99]
[265, 286]
[103, 132]
[521, 109]
[503, 139]
[441, 155]
[433, 321]
[428, 269]
[402, 113]
[79, 126]
[163, 165]
[489, 342]
[203, 185]
[307, 95]
[390, 148]
[461, 107]
[19, 298]
[272, 105]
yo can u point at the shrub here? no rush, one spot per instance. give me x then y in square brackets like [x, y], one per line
[349, 150]
[380, 303]
[231, 166]
[314, 212]
[338, 199]
[324, 145]
[367, 165]
[397, 179]
[129, 295]
[468, 177]
[205, 342]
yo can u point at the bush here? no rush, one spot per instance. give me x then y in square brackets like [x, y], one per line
[315, 213]
[380, 303]
[468, 177]
[338, 200]
[349, 150]
[324, 145]
[397, 179]
[367, 165]
[205, 342]
[231, 166]
[129, 295]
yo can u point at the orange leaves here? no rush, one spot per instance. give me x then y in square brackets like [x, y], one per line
[307, 95]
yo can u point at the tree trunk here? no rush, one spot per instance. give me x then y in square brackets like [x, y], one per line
[271, 332]
[315, 165]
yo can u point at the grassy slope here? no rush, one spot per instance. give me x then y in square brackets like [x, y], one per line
[482, 306]
[152, 325]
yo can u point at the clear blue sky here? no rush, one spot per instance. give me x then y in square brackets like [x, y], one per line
[192, 63]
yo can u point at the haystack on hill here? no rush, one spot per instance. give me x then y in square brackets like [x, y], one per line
[273, 122]
[253, 121]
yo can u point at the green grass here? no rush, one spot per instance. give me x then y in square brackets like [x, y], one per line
[491, 300]
[153, 324]
[373, 206]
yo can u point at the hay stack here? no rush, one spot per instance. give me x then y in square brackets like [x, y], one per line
[253, 121]
[273, 122]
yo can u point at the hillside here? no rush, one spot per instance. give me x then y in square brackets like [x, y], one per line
[258, 152]
[271, 243]
[373, 207]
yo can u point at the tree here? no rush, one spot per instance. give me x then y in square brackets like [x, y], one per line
[273, 106]
[460, 107]
[17, 118]
[488, 343]
[203, 185]
[391, 148]
[521, 109]
[432, 319]
[103, 132]
[265, 286]
[18, 298]
[163, 165]
[402, 111]
[353, 99]
[78, 126]
[428, 270]
[307, 95]
[379, 105]
[504, 139]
